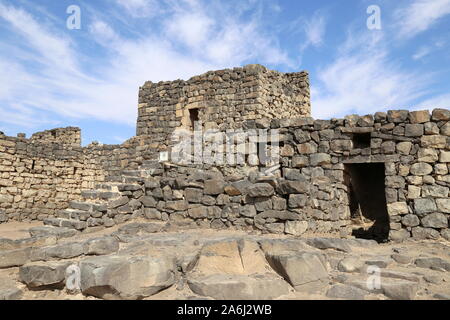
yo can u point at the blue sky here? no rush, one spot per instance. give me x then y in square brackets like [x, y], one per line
[51, 76]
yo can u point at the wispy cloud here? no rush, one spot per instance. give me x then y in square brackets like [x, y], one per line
[191, 38]
[140, 8]
[422, 52]
[363, 80]
[315, 29]
[420, 15]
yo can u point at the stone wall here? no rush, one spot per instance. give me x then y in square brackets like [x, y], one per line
[41, 175]
[64, 136]
[384, 175]
[325, 167]
[222, 99]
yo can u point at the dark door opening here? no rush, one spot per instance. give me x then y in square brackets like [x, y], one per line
[367, 200]
[193, 116]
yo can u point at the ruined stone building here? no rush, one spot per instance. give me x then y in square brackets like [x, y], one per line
[384, 175]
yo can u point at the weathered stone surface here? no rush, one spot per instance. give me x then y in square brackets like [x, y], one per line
[59, 251]
[319, 159]
[231, 257]
[433, 263]
[198, 212]
[419, 116]
[214, 186]
[421, 169]
[193, 195]
[14, 258]
[410, 220]
[9, 290]
[126, 277]
[281, 215]
[38, 274]
[239, 287]
[288, 187]
[260, 190]
[296, 228]
[299, 268]
[424, 206]
[397, 208]
[102, 246]
[419, 233]
[329, 243]
[350, 264]
[443, 205]
[343, 291]
[441, 115]
[435, 220]
[248, 211]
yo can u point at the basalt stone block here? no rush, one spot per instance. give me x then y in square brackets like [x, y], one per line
[410, 220]
[198, 212]
[414, 130]
[148, 201]
[247, 211]
[260, 190]
[214, 187]
[38, 274]
[441, 115]
[118, 203]
[424, 205]
[319, 159]
[288, 187]
[14, 258]
[419, 233]
[421, 169]
[193, 195]
[397, 116]
[434, 141]
[435, 220]
[419, 116]
[281, 215]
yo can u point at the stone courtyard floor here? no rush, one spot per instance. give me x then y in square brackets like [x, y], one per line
[155, 260]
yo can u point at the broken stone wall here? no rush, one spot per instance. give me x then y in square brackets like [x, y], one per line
[309, 192]
[223, 99]
[39, 176]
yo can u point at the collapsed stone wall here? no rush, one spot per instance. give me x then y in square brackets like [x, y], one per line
[64, 136]
[222, 99]
[310, 192]
[41, 175]
[323, 183]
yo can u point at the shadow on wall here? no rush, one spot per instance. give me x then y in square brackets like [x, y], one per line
[367, 200]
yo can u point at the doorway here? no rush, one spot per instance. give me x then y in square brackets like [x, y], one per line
[367, 200]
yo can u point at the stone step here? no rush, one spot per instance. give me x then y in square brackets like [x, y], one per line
[87, 206]
[47, 231]
[151, 164]
[104, 186]
[66, 223]
[99, 194]
[132, 173]
[133, 179]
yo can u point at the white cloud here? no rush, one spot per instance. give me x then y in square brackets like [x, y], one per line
[140, 8]
[363, 80]
[315, 29]
[59, 84]
[420, 15]
[440, 101]
[422, 52]
[191, 29]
